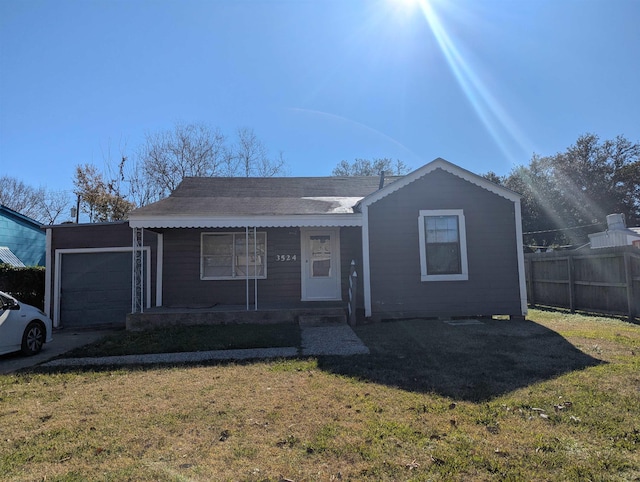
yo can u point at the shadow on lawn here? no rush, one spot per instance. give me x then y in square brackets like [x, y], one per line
[469, 362]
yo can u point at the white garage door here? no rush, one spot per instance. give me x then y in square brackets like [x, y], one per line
[95, 288]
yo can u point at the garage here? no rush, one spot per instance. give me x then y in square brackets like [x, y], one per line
[88, 275]
[95, 287]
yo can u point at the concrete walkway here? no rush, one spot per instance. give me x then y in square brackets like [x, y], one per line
[324, 340]
[63, 342]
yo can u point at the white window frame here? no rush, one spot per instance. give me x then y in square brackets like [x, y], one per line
[235, 234]
[422, 236]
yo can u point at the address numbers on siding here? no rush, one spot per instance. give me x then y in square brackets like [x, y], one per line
[286, 257]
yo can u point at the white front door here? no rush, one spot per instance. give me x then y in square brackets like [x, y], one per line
[320, 264]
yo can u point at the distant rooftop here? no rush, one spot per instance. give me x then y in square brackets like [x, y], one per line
[7, 257]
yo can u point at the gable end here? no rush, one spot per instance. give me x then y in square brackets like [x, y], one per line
[447, 167]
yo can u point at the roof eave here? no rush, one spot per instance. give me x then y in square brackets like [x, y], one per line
[282, 221]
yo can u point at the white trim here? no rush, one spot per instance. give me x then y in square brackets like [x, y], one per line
[316, 220]
[366, 267]
[47, 273]
[336, 258]
[115, 249]
[462, 233]
[159, 267]
[445, 166]
[520, 247]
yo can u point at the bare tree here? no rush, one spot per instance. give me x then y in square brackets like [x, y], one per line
[139, 190]
[366, 167]
[249, 157]
[21, 198]
[167, 157]
[187, 150]
[54, 205]
[36, 203]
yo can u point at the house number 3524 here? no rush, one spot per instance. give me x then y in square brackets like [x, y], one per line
[286, 257]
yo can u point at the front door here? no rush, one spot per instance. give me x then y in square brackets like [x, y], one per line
[320, 264]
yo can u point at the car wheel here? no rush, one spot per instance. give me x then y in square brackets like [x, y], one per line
[33, 338]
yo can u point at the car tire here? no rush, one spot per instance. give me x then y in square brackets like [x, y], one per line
[33, 338]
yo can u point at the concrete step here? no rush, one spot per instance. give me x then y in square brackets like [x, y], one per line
[328, 319]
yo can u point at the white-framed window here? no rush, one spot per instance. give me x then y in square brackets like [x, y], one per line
[233, 255]
[443, 245]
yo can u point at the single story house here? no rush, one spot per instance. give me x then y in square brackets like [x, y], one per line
[438, 242]
[22, 242]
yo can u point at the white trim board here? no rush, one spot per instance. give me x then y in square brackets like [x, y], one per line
[47, 273]
[293, 221]
[521, 269]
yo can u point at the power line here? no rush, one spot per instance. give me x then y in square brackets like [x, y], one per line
[563, 229]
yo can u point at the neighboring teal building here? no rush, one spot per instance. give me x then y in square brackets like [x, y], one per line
[21, 237]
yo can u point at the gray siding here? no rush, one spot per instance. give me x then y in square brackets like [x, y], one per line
[396, 287]
[183, 287]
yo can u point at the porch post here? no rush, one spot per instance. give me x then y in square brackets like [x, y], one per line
[159, 267]
[255, 268]
[246, 268]
[137, 269]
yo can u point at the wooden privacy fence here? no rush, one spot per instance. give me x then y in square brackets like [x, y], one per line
[603, 280]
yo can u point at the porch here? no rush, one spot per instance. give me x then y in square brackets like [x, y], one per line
[304, 313]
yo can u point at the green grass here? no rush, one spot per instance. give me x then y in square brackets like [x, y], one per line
[551, 399]
[192, 338]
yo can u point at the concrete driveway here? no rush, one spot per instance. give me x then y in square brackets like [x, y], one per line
[63, 341]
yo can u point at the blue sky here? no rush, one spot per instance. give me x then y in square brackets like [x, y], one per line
[483, 84]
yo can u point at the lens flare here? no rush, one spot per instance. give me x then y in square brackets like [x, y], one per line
[497, 121]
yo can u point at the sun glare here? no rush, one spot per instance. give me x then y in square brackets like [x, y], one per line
[406, 3]
[493, 115]
[404, 7]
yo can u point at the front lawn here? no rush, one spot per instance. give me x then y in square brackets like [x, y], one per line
[554, 398]
[174, 339]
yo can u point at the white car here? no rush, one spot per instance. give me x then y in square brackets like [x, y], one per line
[22, 327]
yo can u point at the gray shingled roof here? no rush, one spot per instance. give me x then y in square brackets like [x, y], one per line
[238, 196]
